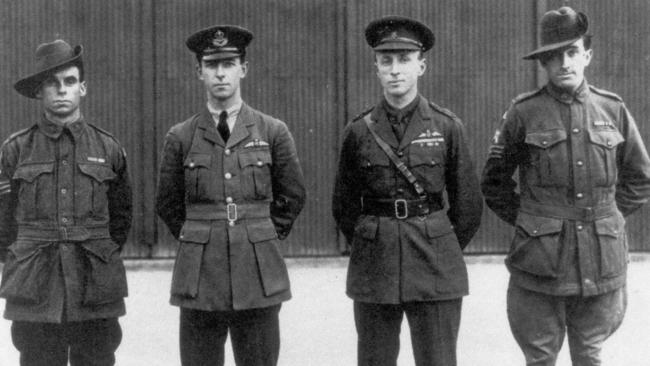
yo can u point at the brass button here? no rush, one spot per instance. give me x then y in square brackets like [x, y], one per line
[579, 195]
[191, 164]
[260, 163]
[609, 143]
[228, 199]
[400, 153]
[231, 223]
[544, 143]
[227, 152]
[580, 227]
[535, 231]
[64, 191]
[64, 162]
[64, 220]
[579, 163]
[227, 175]
[575, 130]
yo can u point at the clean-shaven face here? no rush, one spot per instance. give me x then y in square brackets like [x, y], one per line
[61, 93]
[398, 71]
[565, 67]
[222, 78]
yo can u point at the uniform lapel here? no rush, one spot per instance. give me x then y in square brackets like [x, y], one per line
[240, 132]
[382, 126]
[416, 124]
[207, 126]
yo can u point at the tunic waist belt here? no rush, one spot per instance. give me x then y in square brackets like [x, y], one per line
[63, 233]
[229, 211]
[398, 208]
[569, 212]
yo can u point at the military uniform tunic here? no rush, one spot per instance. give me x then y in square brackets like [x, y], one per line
[418, 258]
[582, 167]
[65, 212]
[229, 204]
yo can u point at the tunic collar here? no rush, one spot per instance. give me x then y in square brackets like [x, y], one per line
[53, 129]
[563, 96]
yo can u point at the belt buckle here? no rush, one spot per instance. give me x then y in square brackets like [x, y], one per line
[400, 205]
[231, 212]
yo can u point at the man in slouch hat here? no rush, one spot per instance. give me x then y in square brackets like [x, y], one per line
[582, 169]
[65, 212]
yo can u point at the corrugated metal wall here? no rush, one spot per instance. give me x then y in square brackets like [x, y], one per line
[309, 66]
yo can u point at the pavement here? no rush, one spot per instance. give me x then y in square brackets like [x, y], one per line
[317, 326]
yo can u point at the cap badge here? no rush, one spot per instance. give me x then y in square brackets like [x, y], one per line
[220, 39]
[393, 35]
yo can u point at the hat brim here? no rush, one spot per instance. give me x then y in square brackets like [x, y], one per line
[27, 86]
[550, 47]
[397, 46]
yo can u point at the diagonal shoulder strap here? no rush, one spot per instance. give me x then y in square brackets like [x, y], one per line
[394, 159]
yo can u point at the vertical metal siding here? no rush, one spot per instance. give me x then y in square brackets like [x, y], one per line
[310, 67]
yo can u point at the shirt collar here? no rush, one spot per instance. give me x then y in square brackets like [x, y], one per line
[232, 111]
[54, 129]
[563, 96]
[399, 114]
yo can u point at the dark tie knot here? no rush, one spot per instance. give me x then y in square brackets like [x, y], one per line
[222, 126]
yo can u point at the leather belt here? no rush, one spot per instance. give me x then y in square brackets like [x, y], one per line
[63, 233]
[397, 208]
[569, 212]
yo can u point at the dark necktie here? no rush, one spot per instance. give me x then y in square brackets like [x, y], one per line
[398, 123]
[222, 126]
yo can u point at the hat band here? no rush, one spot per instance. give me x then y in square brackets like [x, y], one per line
[209, 51]
[400, 40]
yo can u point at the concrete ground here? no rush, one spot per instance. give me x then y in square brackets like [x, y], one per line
[317, 324]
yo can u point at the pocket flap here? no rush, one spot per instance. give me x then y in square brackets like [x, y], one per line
[98, 172]
[255, 157]
[606, 138]
[438, 224]
[538, 225]
[610, 226]
[198, 160]
[367, 227]
[430, 157]
[196, 232]
[24, 249]
[102, 249]
[29, 172]
[259, 231]
[546, 139]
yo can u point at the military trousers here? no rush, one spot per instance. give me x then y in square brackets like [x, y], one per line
[85, 343]
[254, 334]
[433, 325]
[539, 323]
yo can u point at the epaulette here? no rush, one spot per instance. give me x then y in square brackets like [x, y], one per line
[19, 133]
[362, 114]
[444, 111]
[605, 93]
[103, 131]
[525, 96]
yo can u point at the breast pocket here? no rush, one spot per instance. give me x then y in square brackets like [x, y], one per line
[35, 195]
[255, 167]
[199, 179]
[603, 155]
[93, 188]
[548, 153]
[427, 164]
[376, 170]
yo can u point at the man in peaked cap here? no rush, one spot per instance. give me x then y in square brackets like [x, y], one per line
[230, 187]
[396, 162]
[582, 168]
[65, 212]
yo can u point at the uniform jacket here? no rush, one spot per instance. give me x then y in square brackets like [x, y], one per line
[582, 167]
[419, 258]
[225, 264]
[65, 212]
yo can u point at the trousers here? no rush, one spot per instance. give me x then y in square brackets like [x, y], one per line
[434, 329]
[539, 323]
[85, 343]
[254, 333]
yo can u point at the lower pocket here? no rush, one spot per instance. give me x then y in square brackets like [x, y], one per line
[613, 245]
[194, 236]
[536, 246]
[26, 271]
[105, 280]
[270, 263]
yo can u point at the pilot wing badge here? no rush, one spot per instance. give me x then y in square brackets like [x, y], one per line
[429, 138]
